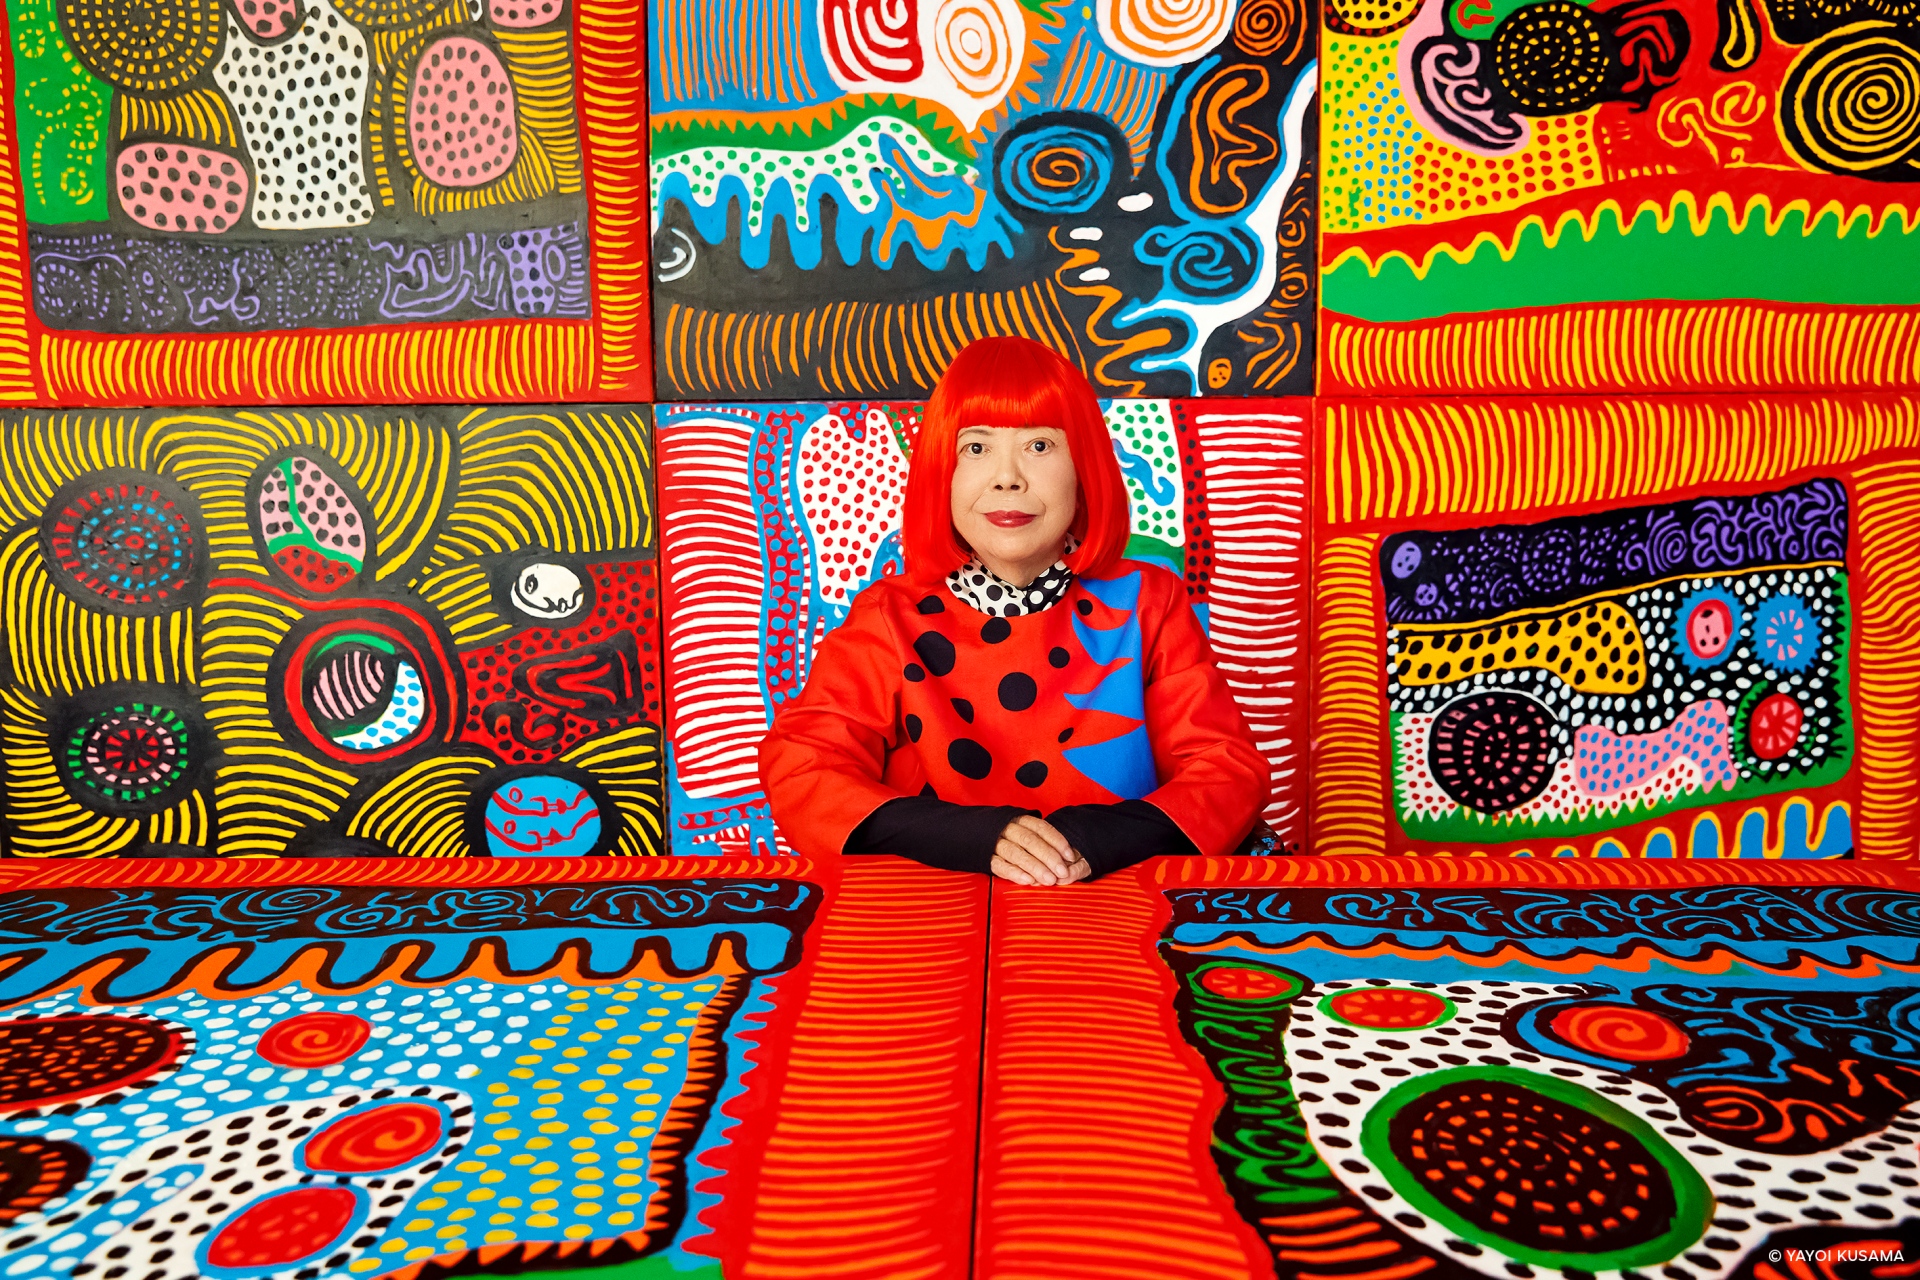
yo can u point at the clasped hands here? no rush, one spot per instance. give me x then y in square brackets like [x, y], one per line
[1032, 851]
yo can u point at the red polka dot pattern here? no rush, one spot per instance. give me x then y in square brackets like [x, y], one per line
[522, 728]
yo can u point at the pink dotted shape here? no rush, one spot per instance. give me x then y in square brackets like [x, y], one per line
[460, 115]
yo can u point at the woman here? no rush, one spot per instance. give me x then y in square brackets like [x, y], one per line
[1023, 701]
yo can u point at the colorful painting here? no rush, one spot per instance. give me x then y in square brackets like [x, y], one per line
[774, 517]
[352, 177]
[846, 193]
[1528, 645]
[423, 632]
[1509, 1082]
[406, 1081]
[1616, 195]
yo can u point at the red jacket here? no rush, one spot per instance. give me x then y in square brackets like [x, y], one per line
[1109, 695]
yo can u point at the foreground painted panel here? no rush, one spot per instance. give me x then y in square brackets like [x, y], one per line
[428, 632]
[417, 1070]
[774, 517]
[845, 193]
[1585, 627]
[1334, 1067]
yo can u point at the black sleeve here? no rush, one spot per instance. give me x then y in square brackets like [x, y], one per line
[953, 837]
[1112, 836]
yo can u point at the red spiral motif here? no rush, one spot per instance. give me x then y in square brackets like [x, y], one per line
[1620, 1032]
[872, 39]
[374, 1141]
[313, 1040]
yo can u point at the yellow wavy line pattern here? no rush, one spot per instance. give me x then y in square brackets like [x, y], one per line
[422, 813]
[403, 469]
[1347, 805]
[541, 63]
[849, 348]
[1887, 675]
[628, 765]
[566, 482]
[198, 115]
[1417, 459]
[1604, 347]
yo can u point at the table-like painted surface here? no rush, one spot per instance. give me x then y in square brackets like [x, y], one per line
[1312, 1069]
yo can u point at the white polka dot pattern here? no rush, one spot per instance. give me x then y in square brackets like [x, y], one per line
[300, 105]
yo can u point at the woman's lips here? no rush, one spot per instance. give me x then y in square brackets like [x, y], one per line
[1010, 519]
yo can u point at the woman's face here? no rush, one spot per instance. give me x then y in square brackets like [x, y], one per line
[1014, 497]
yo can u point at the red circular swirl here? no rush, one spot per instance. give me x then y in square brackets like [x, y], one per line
[374, 1141]
[1620, 1032]
[283, 1229]
[313, 1039]
[1389, 1008]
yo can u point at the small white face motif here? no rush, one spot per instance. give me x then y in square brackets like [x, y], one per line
[550, 592]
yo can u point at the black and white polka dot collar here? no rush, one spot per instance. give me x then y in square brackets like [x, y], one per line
[975, 584]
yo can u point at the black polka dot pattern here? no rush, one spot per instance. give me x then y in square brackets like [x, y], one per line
[299, 104]
[913, 728]
[931, 604]
[936, 651]
[969, 759]
[996, 630]
[1030, 774]
[992, 595]
[1017, 691]
[1066, 733]
[1084, 606]
[914, 673]
[1058, 657]
[963, 709]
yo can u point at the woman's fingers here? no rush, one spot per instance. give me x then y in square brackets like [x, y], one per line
[1047, 832]
[1007, 871]
[1042, 870]
[1036, 846]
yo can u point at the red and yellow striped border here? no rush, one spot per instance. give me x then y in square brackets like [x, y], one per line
[467, 362]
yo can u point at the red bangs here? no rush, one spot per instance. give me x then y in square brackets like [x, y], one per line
[1012, 382]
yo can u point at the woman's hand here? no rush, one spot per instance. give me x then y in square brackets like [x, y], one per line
[1032, 851]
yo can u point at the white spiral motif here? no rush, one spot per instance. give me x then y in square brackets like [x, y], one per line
[1164, 33]
[981, 44]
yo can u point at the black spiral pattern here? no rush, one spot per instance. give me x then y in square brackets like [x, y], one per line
[1850, 103]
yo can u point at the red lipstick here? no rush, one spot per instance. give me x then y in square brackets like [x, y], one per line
[1010, 519]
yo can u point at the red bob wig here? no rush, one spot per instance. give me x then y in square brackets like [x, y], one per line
[1012, 382]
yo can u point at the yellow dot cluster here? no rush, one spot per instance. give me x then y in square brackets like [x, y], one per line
[585, 1101]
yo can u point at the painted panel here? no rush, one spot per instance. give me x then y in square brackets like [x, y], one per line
[846, 193]
[426, 632]
[774, 516]
[323, 199]
[1612, 629]
[450, 1068]
[1657, 195]
[1329, 1067]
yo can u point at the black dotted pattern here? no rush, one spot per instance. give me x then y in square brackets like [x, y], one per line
[992, 595]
